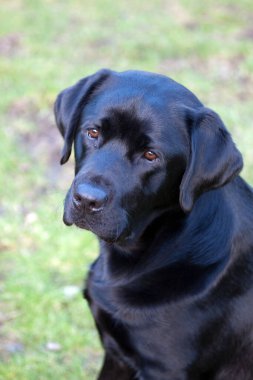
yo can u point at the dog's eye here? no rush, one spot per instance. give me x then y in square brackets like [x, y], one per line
[150, 156]
[93, 133]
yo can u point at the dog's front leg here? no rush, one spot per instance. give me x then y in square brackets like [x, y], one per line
[113, 369]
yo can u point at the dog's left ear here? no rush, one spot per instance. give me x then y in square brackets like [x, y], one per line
[69, 105]
[214, 159]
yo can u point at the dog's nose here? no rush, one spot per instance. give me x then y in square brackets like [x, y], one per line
[90, 197]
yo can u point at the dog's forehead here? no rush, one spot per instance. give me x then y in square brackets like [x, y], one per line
[140, 105]
[154, 90]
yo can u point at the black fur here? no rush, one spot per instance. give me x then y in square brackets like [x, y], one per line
[172, 289]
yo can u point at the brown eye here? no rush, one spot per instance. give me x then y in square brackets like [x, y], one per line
[93, 133]
[149, 155]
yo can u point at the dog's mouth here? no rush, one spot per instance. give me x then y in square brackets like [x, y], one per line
[113, 226]
[105, 228]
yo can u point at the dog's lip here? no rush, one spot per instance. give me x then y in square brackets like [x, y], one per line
[125, 234]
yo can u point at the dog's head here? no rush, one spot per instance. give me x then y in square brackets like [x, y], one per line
[143, 144]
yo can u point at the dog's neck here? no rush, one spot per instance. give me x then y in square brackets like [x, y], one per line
[184, 264]
[183, 238]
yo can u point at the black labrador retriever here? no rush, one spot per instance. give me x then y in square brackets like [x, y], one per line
[157, 181]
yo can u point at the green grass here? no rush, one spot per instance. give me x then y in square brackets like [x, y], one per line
[44, 47]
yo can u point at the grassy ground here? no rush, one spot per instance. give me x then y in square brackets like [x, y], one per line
[46, 331]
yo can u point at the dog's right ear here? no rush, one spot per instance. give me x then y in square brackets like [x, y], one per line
[69, 105]
[214, 158]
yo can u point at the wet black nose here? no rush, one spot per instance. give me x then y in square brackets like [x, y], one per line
[90, 197]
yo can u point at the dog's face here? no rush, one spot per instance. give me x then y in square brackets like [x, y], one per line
[143, 144]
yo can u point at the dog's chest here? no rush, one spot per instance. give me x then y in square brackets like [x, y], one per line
[144, 338]
[184, 342]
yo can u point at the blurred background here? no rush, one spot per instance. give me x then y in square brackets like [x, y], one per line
[46, 331]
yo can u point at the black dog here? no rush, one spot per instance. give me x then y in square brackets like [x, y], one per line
[157, 181]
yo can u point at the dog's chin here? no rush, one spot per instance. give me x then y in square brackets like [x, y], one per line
[101, 226]
[110, 236]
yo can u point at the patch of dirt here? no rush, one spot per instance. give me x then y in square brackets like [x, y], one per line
[222, 70]
[42, 142]
[9, 346]
[218, 65]
[247, 33]
[222, 67]
[10, 45]
[174, 65]
[179, 13]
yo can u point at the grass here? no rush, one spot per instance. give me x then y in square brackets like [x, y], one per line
[44, 47]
